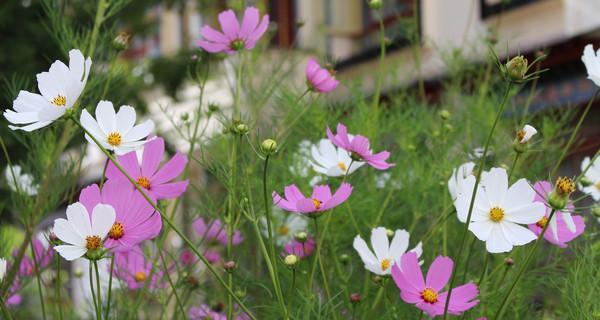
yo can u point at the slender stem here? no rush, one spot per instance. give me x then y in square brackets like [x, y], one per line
[468, 261]
[514, 165]
[474, 193]
[99, 311]
[483, 271]
[319, 243]
[173, 287]
[100, 10]
[58, 288]
[498, 314]
[298, 117]
[381, 67]
[103, 177]
[5, 313]
[38, 279]
[573, 134]
[231, 208]
[91, 276]
[110, 279]
[238, 88]
[169, 222]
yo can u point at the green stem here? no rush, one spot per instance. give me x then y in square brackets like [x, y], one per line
[5, 313]
[169, 222]
[238, 88]
[381, 68]
[58, 288]
[318, 243]
[99, 311]
[474, 193]
[298, 117]
[101, 9]
[38, 279]
[485, 264]
[498, 314]
[573, 134]
[514, 165]
[468, 261]
[110, 279]
[583, 172]
[91, 276]
[173, 287]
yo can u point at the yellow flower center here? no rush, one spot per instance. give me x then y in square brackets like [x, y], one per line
[342, 166]
[139, 276]
[565, 186]
[59, 100]
[114, 139]
[283, 230]
[496, 214]
[93, 242]
[598, 186]
[116, 231]
[385, 263]
[143, 182]
[316, 203]
[542, 222]
[428, 295]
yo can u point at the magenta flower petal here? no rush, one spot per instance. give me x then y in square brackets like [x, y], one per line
[321, 199]
[229, 24]
[129, 163]
[298, 248]
[249, 22]
[409, 262]
[359, 147]
[283, 203]
[322, 193]
[293, 194]
[439, 273]
[214, 36]
[213, 47]
[170, 170]
[319, 79]
[153, 153]
[404, 285]
[133, 269]
[258, 32]
[215, 231]
[342, 194]
[90, 196]
[170, 190]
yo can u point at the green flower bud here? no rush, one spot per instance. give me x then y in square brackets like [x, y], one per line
[121, 41]
[240, 128]
[596, 211]
[344, 258]
[516, 68]
[444, 114]
[389, 232]
[269, 146]
[375, 4]
[291, 260]
[301, 236]
[585, 182]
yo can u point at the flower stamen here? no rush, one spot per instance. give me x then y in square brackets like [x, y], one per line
[342, 166]
[317, 203]
[114, 139]
[93, 242]
[542, 223]
[59, 100]
[143, 182]
[116, 231]
[385, 264]
[139, 276]
[565, 186]
[496, 214]
[429, 296]
[283, 230]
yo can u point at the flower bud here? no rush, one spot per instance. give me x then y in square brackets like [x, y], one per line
[240, 127]
[596, 211]
[53, 239]
[192, 282]
[516, 68]
[344, 258]
[377, 279]
[290, 260]
[389, 232]
[375, 4]
[229, 266]
[585, 182]
[444, 114]
[355, 298]
[121, 41]
[301, 236]
[240, 293]
[95, 254]
[522, 138]
[213, 107]
[269, 146]
[448, 127]
[436, 133]
[185, 117]
[560, 195]
[509, 262]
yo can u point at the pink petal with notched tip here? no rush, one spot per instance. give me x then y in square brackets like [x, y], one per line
[342, 194]
[258, 32]
[152, 155]
[293, 194]
[321, 193]
[249, 22]
[439, 273]
[229, 24]
[170, 170]
[411, 270]
[213, 47]
[283, 203]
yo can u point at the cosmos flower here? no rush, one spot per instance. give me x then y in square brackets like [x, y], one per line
[331, 161]
[157, 181]
[525, 134]
[425, 293]
[43, 256]
[459, 175]
[205, 312]
[115, 131]
[60, 88]
[359, 148]
[285, 226]
[319, 79]
[592, 175]
[135, 219]
[386, 254]
[81, 235]
[21, 181]
[320, 201]
[499, 210]
[234, 37]
[132, 268]
[299, 249]
[215, 231]
[591, 60]
[564, 227]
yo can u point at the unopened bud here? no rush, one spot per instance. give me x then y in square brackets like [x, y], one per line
[269, 146]
[78, 273]
[585, 182]
[290, 260]
[596, 211]
[121, 41]
[185, 117]
[229, 266]
[377, 279]
[240, 128]
[240, 293]
[53, 239]
[344, 258]
[389, 232]
[355, 298]
[509, 262]
[212, 107]
[301, 236]
[516, 68]
[375, 4]
[448, 127]
[444, 114]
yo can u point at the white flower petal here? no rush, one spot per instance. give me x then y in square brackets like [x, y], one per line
[64, 230]
[553, 226]
[399, 244]
[103, 218]
[380, 243]
[106, 117]
[139, 132]
[520, 193]
[363, 251]
[526, 214]
[569, 221]
[31, 127]
[125, 119]
[79, 219]
[497, 242]
[91, 126]
[70, 252]
[516, 234]
[482, 229]
[495, 186]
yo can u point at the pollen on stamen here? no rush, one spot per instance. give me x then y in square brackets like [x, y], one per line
[59, 100]
[114, 139]
[139, 276]
[496, 214]
[93, 242]
[283, 230]
[117, 231]
[143, 182]
[317, 203]
[385, 264]
[429, 296]
[597, 185]
[542, 223]
[342, 166]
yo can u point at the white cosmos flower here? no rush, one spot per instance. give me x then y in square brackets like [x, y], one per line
[456, 183]
[79, 233]
[385, 253]
[526, 133]
[591, 60]
[498, 210]
[116, 131]
[285, 226]
[20, 181]
[593, 175]
[2, 268]
[332, 161]
[60, 88]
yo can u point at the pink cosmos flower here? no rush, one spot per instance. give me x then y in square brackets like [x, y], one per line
[156, 181]
[187, 258]
[320, 201]
[563, 233]
[319, 79]
[216, 231]
[234, 37]
[425, 293]
[212, 256]
[298, 248]
[43, 257]
[205, 312]
[359, 149]
[133, 269]
[136, 220]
